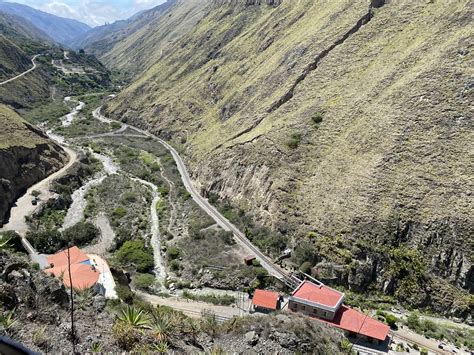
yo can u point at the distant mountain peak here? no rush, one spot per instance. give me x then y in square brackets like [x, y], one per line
[61, 30]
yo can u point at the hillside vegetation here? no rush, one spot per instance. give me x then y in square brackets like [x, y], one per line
[321, 120]
[26, 157]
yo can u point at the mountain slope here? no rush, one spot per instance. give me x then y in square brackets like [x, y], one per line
[61, 30]
[146, 37]
[12, 59]
[324, 119]
[19, 28]
[26, 157]
[102, 38]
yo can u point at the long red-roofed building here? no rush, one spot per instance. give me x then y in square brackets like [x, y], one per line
[326, 304]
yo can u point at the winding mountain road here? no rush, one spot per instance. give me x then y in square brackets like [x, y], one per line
[272, 269]
[24, 73]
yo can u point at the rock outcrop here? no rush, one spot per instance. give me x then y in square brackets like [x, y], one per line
[26, 157]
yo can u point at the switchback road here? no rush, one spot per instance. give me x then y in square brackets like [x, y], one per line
[24, 73]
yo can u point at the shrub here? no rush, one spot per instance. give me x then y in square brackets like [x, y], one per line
[133, 252]
[47, 242]
[175, 265]
[317, 118]
[256, 263]
[413, 321]
[227, 237]
[144, 281]
[173, 253]
[305, 267]
[294, 141]
[82, 233]
[391, 320]
[120, 212]
[125, 294]
[423, 351]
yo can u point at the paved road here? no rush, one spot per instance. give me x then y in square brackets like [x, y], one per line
[24, 73]
[272, 269]
[23, 206]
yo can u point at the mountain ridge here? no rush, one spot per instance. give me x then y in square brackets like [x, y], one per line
[60, 29]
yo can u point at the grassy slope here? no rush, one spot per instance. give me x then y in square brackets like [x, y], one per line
[13, 60]
[138, 45]
[15, 132]
[392, 151]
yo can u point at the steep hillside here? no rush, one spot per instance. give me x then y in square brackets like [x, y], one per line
[61, 30]
[146, 37]
[12, 59]
[26, 157]
[17, 27]
[324, 119]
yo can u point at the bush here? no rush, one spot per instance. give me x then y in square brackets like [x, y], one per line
[317, 118]
[120, 212]
[173, 253]
[391, 320]
[413, 321]
[175, 265]
[305, 267]
[135, 253]
[125, 294]
[47, 242]
[144, 281]
[256, 263]
[82, 233]
[294, 141]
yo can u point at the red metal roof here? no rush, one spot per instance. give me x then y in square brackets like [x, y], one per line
[318, 294]
[354, 321]
[61, 258]
[265, 299]
[83, 276]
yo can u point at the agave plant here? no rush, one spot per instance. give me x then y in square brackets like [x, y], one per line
[162, 327]
[4, 243]
[7, 320]
[84, 297]
[96, 347]
[162, 347]
[135, 317]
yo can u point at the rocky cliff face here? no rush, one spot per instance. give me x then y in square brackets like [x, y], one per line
[26, 157]
[331, 119]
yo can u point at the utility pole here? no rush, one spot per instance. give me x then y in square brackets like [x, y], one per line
[73, 333]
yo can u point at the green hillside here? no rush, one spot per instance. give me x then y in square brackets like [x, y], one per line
[321, 120]
[16, 132]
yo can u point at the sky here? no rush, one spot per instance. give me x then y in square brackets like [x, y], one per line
[92, 12]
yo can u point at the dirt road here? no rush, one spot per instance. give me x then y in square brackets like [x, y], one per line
[23, 206]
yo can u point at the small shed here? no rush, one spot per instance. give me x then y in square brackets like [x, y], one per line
[265, 301]
[249, 259]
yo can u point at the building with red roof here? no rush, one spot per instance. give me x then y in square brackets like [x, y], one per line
[326, 304]
[265, 301]
[83, 274]
[316, 300]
